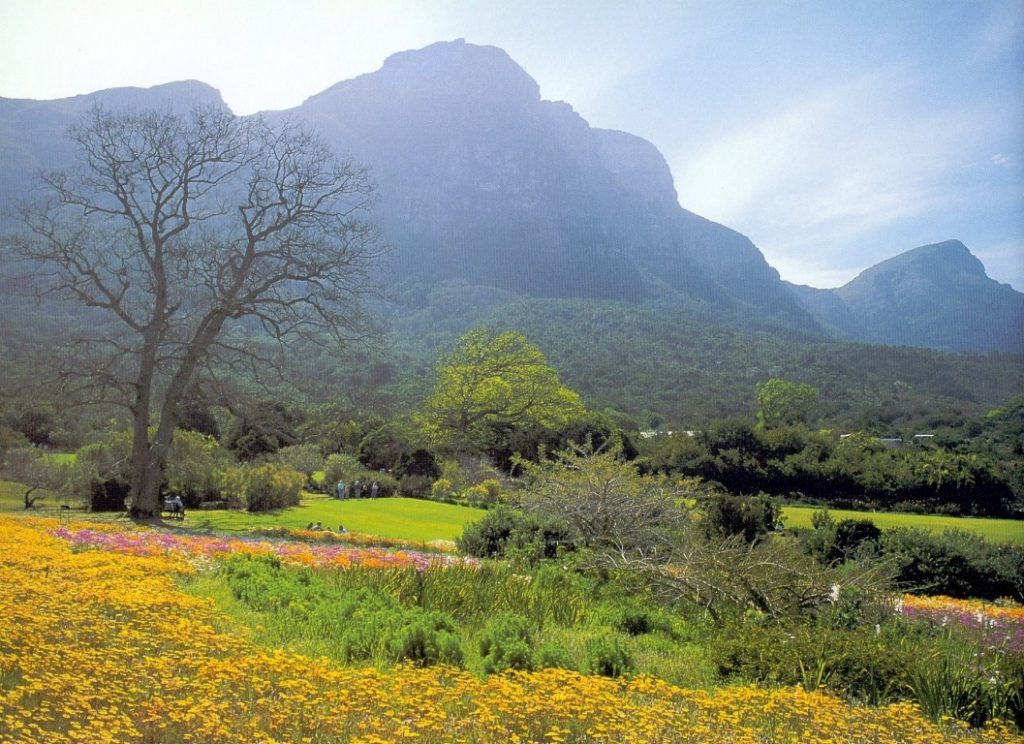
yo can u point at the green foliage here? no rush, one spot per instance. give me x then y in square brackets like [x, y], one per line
[305, 458]
[348, 469]
[259, 488]
[959, 680]
[263, 429]
[477, 486]
[36, 424]
[727, 514]
[357, 625]
[426, 639]
[196, 467]
[954, 563]
[37, 477]
[343, 467]
[504, 532]
[603, 500]
[493, 380]
[506, 643]
[854, 539]
[864, 665]
[993, 530]
[784, 403]
[387, 447]
[857, 470]
[607, 656]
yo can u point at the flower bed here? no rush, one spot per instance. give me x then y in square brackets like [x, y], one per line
[180, 547]
[1001, 626]
[101, 645]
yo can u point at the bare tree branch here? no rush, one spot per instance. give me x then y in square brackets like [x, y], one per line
[175, 230]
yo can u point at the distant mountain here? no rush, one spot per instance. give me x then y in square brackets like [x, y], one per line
[482, 183]
[935, 296]
[480, 180]
[32, 133]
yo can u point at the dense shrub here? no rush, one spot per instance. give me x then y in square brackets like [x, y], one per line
[196, 467]
[503, 530]
[854, 538]
[264, 487]
[415, 486]
[728, 514]
[358, 625]
[425, 638]
[955, 563]
[946, 672]
[506, 643]
[607, 656]
[471, 482]
[305, 458]
[349, 470]
[342, 467]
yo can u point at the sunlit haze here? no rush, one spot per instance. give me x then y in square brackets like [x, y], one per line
[834, 135]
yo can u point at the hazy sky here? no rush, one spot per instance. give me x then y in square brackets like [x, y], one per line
[834, 134]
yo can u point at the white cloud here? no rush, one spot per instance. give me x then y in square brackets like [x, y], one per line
[816, 183]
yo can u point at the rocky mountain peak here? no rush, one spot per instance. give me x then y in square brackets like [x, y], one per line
[938, 262]
[441, 73]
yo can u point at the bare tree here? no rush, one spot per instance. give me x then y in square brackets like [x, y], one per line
[641, 526]
[181, 232]
[612, 509]
[772, 577]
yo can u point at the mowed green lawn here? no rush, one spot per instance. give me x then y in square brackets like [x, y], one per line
[994, 530]
[402, 518]
[11, 495]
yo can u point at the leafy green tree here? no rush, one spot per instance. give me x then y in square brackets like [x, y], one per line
[492, 381]
[305, 458]
[28, 467]
[784, 403]
[195, 467]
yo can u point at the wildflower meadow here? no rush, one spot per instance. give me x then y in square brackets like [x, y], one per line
[100, 644]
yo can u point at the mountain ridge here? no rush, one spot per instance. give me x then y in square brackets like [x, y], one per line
[483, 181]
[937, 296]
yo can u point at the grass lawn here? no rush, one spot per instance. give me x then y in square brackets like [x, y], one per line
[61, 458]
[994, 530]
[11, 495]
[405, 519]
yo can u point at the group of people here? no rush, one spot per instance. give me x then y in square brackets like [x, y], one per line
[317, 527]
[359, 490]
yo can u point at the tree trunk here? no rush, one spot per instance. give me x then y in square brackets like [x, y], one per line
[149, 466]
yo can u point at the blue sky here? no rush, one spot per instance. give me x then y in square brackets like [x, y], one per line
[833, 134]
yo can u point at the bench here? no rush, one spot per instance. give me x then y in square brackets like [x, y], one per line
[172, 511]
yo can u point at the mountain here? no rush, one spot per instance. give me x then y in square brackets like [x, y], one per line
[485, 186]
[483, 181]
[935, 296]
[32, 133]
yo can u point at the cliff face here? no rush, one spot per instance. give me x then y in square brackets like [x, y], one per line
[482, 180]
